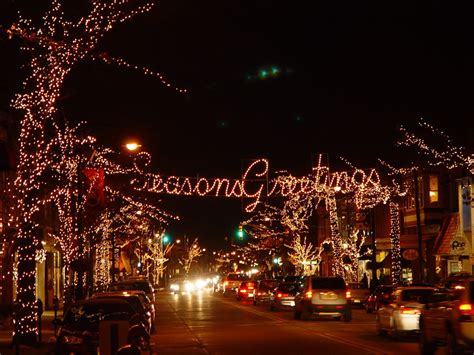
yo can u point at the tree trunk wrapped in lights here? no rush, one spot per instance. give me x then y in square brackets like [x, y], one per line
[56, 45]
[395, 242]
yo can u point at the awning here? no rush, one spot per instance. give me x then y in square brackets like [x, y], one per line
[451, 239]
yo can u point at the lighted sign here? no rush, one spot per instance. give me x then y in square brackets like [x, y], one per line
[253, 184]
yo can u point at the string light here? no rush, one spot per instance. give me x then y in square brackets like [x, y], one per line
[448, 155]
[57, 46]
[302, 252]
[395, 241]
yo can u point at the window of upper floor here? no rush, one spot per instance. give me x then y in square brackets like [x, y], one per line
[433, 188]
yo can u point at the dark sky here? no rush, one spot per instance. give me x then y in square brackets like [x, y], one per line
[351, 73]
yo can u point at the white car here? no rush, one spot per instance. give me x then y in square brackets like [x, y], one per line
[402, 314]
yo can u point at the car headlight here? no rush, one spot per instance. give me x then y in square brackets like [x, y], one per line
[71, 339]
[174, 287]
[189, 287]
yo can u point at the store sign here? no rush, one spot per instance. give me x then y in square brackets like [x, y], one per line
[410, 254]
[458, 246]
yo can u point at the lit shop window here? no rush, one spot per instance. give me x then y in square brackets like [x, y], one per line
[433, 189]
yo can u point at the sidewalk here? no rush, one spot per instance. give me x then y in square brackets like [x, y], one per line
[47, 337]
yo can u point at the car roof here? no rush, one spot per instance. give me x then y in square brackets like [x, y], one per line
[404, 288]
[130, 293]
[99, 300]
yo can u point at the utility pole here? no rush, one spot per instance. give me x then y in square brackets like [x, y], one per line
[418, 224]
[374, 248]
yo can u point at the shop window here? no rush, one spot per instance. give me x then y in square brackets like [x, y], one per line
[434, 193]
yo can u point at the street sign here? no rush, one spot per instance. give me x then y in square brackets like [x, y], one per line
[410, 254]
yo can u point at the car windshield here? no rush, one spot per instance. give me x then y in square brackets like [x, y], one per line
[267, 284]
[420, 295]
[237, 277]
[384, 289]
[141, 286]
[356, 286]
[288, 287]
[328, 283]
[93, 313]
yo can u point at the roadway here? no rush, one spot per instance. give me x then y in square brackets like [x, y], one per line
[213, 324]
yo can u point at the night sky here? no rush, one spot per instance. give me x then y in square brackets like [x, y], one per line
[350, 73]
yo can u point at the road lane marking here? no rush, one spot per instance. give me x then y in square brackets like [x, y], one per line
[317, 332]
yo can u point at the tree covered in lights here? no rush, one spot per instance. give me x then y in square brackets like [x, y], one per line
[56, 45]
[437, 147]
[190, 252]
[155, 258]
[302, 253]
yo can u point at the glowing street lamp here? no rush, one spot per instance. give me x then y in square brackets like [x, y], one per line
[132, 146]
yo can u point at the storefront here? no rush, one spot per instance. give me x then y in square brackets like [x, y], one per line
[452, 249]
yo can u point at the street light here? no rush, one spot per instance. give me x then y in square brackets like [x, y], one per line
[132, 146]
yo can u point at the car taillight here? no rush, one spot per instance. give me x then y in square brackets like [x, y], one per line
[409, 310]
[308, 295]
[348, 294]
[243, 290]
[282, 295]
[466, 309]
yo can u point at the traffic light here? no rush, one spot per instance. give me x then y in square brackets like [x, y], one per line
[240, 232]
[166, 239]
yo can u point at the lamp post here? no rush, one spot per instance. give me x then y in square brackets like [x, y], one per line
[418, 225]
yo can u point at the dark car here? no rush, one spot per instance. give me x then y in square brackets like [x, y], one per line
[448, 320]
[379, 296]
[139, 284]
[246, 290]
[455, 280]
[79, 329]
[264, 291]
[140, 303]
[283, 297]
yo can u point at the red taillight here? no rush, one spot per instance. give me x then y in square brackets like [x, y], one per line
[279, 295]
[386, 296]
[308, 295]
[409, 310]
[466, 309]
[348, 294]
[259, 293]
[282, 295]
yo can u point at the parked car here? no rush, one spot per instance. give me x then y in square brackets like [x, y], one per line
[233, 281]
[454, 280]
[264, 291]
[401, 315]
[79, 329]
[323, 296]
[378, 297]
[137, 302]
[283, 297]
[139, 284]
[359, 293]
[246, 290]
[448, 320]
